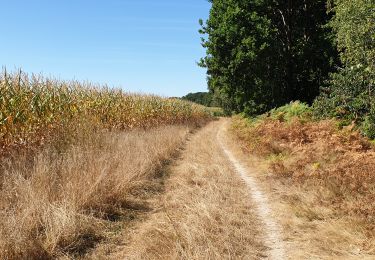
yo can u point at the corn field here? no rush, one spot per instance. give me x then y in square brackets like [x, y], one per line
[32, 107]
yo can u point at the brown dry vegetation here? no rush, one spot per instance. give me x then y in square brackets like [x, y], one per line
[61, 203]
[205, 212]
[326, 176]
[72, 161]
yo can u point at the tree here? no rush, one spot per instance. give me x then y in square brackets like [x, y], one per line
[265, 53]
[203, 98]
[351, 94]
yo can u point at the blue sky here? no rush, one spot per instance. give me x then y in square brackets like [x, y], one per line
[148, 46]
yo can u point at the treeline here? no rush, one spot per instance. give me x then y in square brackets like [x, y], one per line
[350, 95]
[262, 54]
[203, 98]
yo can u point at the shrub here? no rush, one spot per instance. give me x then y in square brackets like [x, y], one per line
[292, 110]
[350, 96]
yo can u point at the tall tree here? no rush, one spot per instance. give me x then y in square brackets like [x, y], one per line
[203, 98]
[264, 53]
[351, 94]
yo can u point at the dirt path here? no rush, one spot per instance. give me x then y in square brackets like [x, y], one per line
[272, 230]
[205, 211]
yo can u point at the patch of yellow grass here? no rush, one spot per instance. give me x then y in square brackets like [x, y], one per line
[59, 203]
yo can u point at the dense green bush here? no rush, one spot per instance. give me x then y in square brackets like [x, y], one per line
[202, 98]
[351, 95]
[287, 113]
[292, 110]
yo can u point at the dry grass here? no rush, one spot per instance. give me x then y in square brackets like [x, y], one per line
[68, 170]
[324, 176]
[205, 213]
[60, 203]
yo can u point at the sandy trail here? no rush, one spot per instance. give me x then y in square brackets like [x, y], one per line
[272, 230]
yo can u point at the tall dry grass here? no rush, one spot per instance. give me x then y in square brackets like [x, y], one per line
[57, 204]
[74, 155]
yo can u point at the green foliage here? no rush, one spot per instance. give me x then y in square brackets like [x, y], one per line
[216, 111]
[351, 94]
[287, 113]
[292, 110]
[262, 54]
[368, 125]
[354, 24]
[202, 98]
